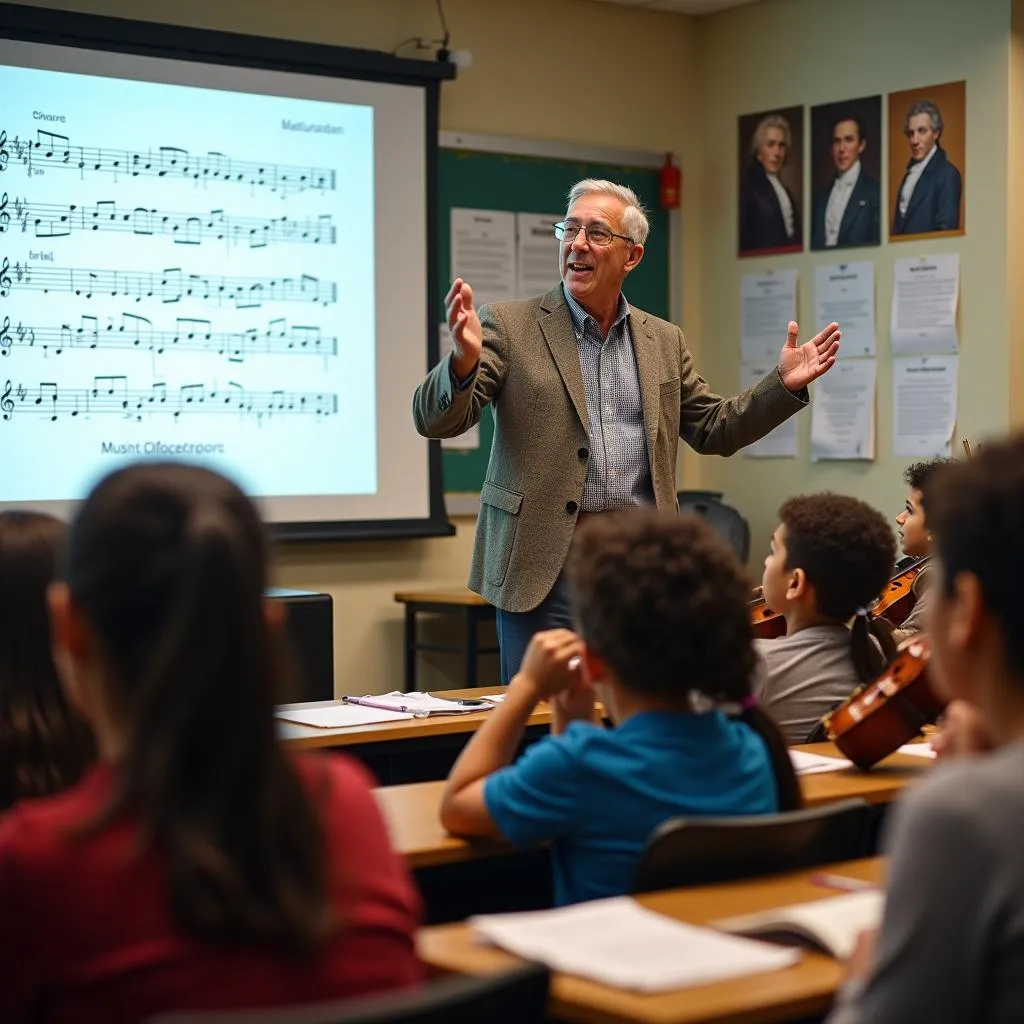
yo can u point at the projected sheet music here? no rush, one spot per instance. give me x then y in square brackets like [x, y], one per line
[184, 273]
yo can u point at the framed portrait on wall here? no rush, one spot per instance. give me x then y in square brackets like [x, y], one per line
[846, 171]
[927, 161]
[771, 183]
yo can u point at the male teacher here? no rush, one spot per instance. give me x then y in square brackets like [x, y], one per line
[590, 398]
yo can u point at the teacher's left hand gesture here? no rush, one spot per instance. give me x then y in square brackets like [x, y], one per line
[800, 364]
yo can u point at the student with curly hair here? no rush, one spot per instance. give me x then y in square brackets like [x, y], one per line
[45, 744]
[950, 948]
[916, 540]
[199, 865]
[664, 641]
[830, 557]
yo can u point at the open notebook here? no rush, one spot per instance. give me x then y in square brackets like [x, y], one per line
[830, 924]
[618, 942]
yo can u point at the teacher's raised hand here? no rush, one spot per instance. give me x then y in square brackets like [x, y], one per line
[464, 326]
[801, 364]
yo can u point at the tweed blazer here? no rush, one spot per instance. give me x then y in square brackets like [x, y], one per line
[530, 373]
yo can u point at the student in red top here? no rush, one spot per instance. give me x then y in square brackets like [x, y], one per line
[198, 866]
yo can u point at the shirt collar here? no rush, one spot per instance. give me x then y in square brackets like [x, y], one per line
[849, 177]
[924, 161]
[580, 316]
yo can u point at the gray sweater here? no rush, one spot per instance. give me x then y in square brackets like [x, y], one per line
[951, 949]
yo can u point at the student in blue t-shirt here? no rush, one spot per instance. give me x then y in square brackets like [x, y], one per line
[664, 642]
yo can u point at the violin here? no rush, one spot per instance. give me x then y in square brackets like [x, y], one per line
[894, 604]
[888, 712]
[767, 625]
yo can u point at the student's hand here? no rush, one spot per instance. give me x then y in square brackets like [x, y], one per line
[464, 327]
[800, 364]
[574, 704]
[962, 732]
[862, 959]
[548, 666]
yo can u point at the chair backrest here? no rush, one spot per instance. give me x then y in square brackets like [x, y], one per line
[518, 996]
[721, 517]
[701, 851]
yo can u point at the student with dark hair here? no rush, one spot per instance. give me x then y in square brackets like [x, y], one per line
[831, 555]
[664, 641]
[198, 866]
[44, 743]
[916, 540]
[950, 947]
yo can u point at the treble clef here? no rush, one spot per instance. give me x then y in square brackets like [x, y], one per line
[5, 217]
[5, 336]
[6, 402]
[4, 155]
[5, 278]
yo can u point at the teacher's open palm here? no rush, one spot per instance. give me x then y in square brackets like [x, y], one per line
[801, 364]
[463, 323]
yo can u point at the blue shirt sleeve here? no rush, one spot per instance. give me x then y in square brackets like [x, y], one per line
[536, 798]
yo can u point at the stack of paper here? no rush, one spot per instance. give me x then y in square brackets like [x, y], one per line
[423, 704]
[618, 942]
[917, 749]
[340, 716]
[805, 763]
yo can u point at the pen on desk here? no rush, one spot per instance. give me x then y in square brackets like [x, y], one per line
[841, 882]
[474, 703]
[364, 703]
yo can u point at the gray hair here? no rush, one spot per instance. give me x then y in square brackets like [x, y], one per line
[924, 107]
[766, 122]
[634, 217]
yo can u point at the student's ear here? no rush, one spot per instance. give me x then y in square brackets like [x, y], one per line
[797, 586]
[595, 669]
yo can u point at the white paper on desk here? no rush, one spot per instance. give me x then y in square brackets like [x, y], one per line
[419, 703]
[781, 442]
[843, 412]
[617, 942]
[468, 440]
[917, 750]
[340, 716]
[845, 293]
[925, 294]
[806, 763]
[768, 303]
[536, 253]
[924, 404]
[484, 253]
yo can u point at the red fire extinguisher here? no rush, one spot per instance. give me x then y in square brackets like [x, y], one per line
[671, 182]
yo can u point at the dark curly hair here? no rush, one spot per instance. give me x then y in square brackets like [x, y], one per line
[918, 475]
[847, 550]
[975, 510]
[664, 603]
[45, 745]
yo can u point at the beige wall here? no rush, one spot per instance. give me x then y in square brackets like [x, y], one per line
[787, 52]
[668, 82]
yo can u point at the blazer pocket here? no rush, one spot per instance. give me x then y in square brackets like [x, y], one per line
[500, 509]
[668, 387]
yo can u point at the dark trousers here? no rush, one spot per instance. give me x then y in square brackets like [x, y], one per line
[516, 628]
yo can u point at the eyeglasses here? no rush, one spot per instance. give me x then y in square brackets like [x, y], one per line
[596, 234]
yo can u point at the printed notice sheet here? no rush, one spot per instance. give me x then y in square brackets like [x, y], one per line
[768, 303]
[843, 412]
[924, 404]
[925, 294]
[536, 253]
[781, 442]
[484, 253]
[845, 293]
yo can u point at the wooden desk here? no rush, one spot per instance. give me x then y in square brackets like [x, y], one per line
[412, 812]
[806, 988]
[458, 600]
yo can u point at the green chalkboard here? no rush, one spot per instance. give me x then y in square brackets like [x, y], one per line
[528, 184]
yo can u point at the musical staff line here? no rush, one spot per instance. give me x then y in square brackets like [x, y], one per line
[189, 335]
[112, 395]
[169, 285]
[53, 220]
[52, 151]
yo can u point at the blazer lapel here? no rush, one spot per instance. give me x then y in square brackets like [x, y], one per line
[560, 335]
[648, 371]
[921, 189]
[854, 208]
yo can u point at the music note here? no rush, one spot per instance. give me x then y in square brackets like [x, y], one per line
[5, 278]
[7, 403]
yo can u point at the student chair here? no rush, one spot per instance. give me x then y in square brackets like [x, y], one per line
[701, 851]
[726, 521]
[517, 996]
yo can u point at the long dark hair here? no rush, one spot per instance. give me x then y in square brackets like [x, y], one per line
[44, 743]
[167, 564]
[664, 603]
